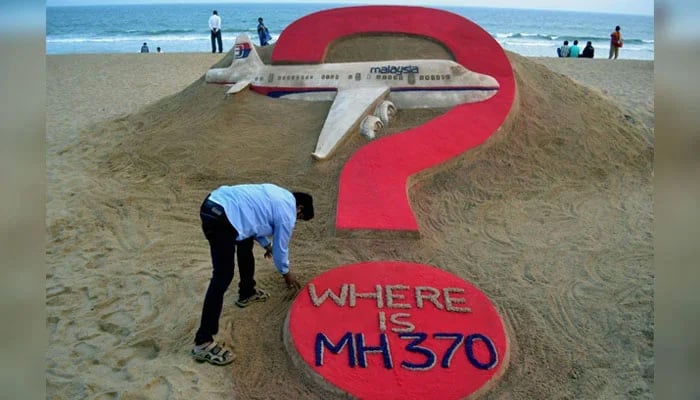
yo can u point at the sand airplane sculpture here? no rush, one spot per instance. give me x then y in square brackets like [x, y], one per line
[364, 93]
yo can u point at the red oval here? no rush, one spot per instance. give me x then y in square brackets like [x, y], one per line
[478, 359]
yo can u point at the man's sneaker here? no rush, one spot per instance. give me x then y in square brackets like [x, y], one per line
[214, 353]
[259, 296]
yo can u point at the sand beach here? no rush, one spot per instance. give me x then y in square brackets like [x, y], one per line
[552, 218]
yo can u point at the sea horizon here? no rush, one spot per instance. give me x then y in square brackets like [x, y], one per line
[182, 27]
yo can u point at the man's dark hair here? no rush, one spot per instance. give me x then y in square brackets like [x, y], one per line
[215, 13]
[307, 203]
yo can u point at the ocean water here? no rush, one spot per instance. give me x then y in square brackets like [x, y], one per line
[183, 27]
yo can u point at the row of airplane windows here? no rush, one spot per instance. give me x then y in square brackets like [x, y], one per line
[444, 77]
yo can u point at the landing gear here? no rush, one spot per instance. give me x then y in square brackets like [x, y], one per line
[370, 126]
[373, 124]
[385, 111]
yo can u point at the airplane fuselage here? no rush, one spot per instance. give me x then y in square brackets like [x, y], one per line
[362, 93]
[412, 83]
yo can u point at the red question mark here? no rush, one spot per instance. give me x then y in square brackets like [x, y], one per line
[372, 189]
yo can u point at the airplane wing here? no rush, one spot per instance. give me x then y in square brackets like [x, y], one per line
[348, 109]
[238, 86]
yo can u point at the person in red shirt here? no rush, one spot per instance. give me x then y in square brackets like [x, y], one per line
[615, 43]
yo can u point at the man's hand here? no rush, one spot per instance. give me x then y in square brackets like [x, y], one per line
[291, 281]
[268, 251]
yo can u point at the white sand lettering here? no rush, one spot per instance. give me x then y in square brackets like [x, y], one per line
[432, 296]
[451, 301]
[391, 296]
[407, 326]
[339, 300]
[377, 294]
[382, 321]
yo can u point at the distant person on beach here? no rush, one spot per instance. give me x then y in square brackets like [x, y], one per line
[563, 51]
[233, 218]
[615, 43]
[574, 50]
[144, 48]
[215, 28]
[158, 50]
[588, 51]
[263, 33]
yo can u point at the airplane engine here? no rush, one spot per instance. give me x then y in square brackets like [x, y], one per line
[370, 126]
[385, 111]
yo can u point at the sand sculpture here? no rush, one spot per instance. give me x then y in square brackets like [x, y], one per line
[364, 94]
[373, 330]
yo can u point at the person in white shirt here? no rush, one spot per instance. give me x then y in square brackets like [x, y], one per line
[215, 28]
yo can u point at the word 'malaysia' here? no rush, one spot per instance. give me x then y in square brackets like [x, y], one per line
[394, 69]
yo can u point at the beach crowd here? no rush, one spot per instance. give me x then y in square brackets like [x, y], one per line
[575, 51]
[215, 34]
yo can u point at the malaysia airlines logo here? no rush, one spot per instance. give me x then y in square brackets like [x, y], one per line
[241, 50]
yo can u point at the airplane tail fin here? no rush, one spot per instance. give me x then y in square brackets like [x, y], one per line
[244, 51]
[245, 63]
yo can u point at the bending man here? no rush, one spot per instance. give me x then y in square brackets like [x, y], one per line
[233, 218]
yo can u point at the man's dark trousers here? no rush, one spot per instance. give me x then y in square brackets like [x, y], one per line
[223, 244]
[216, 39]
